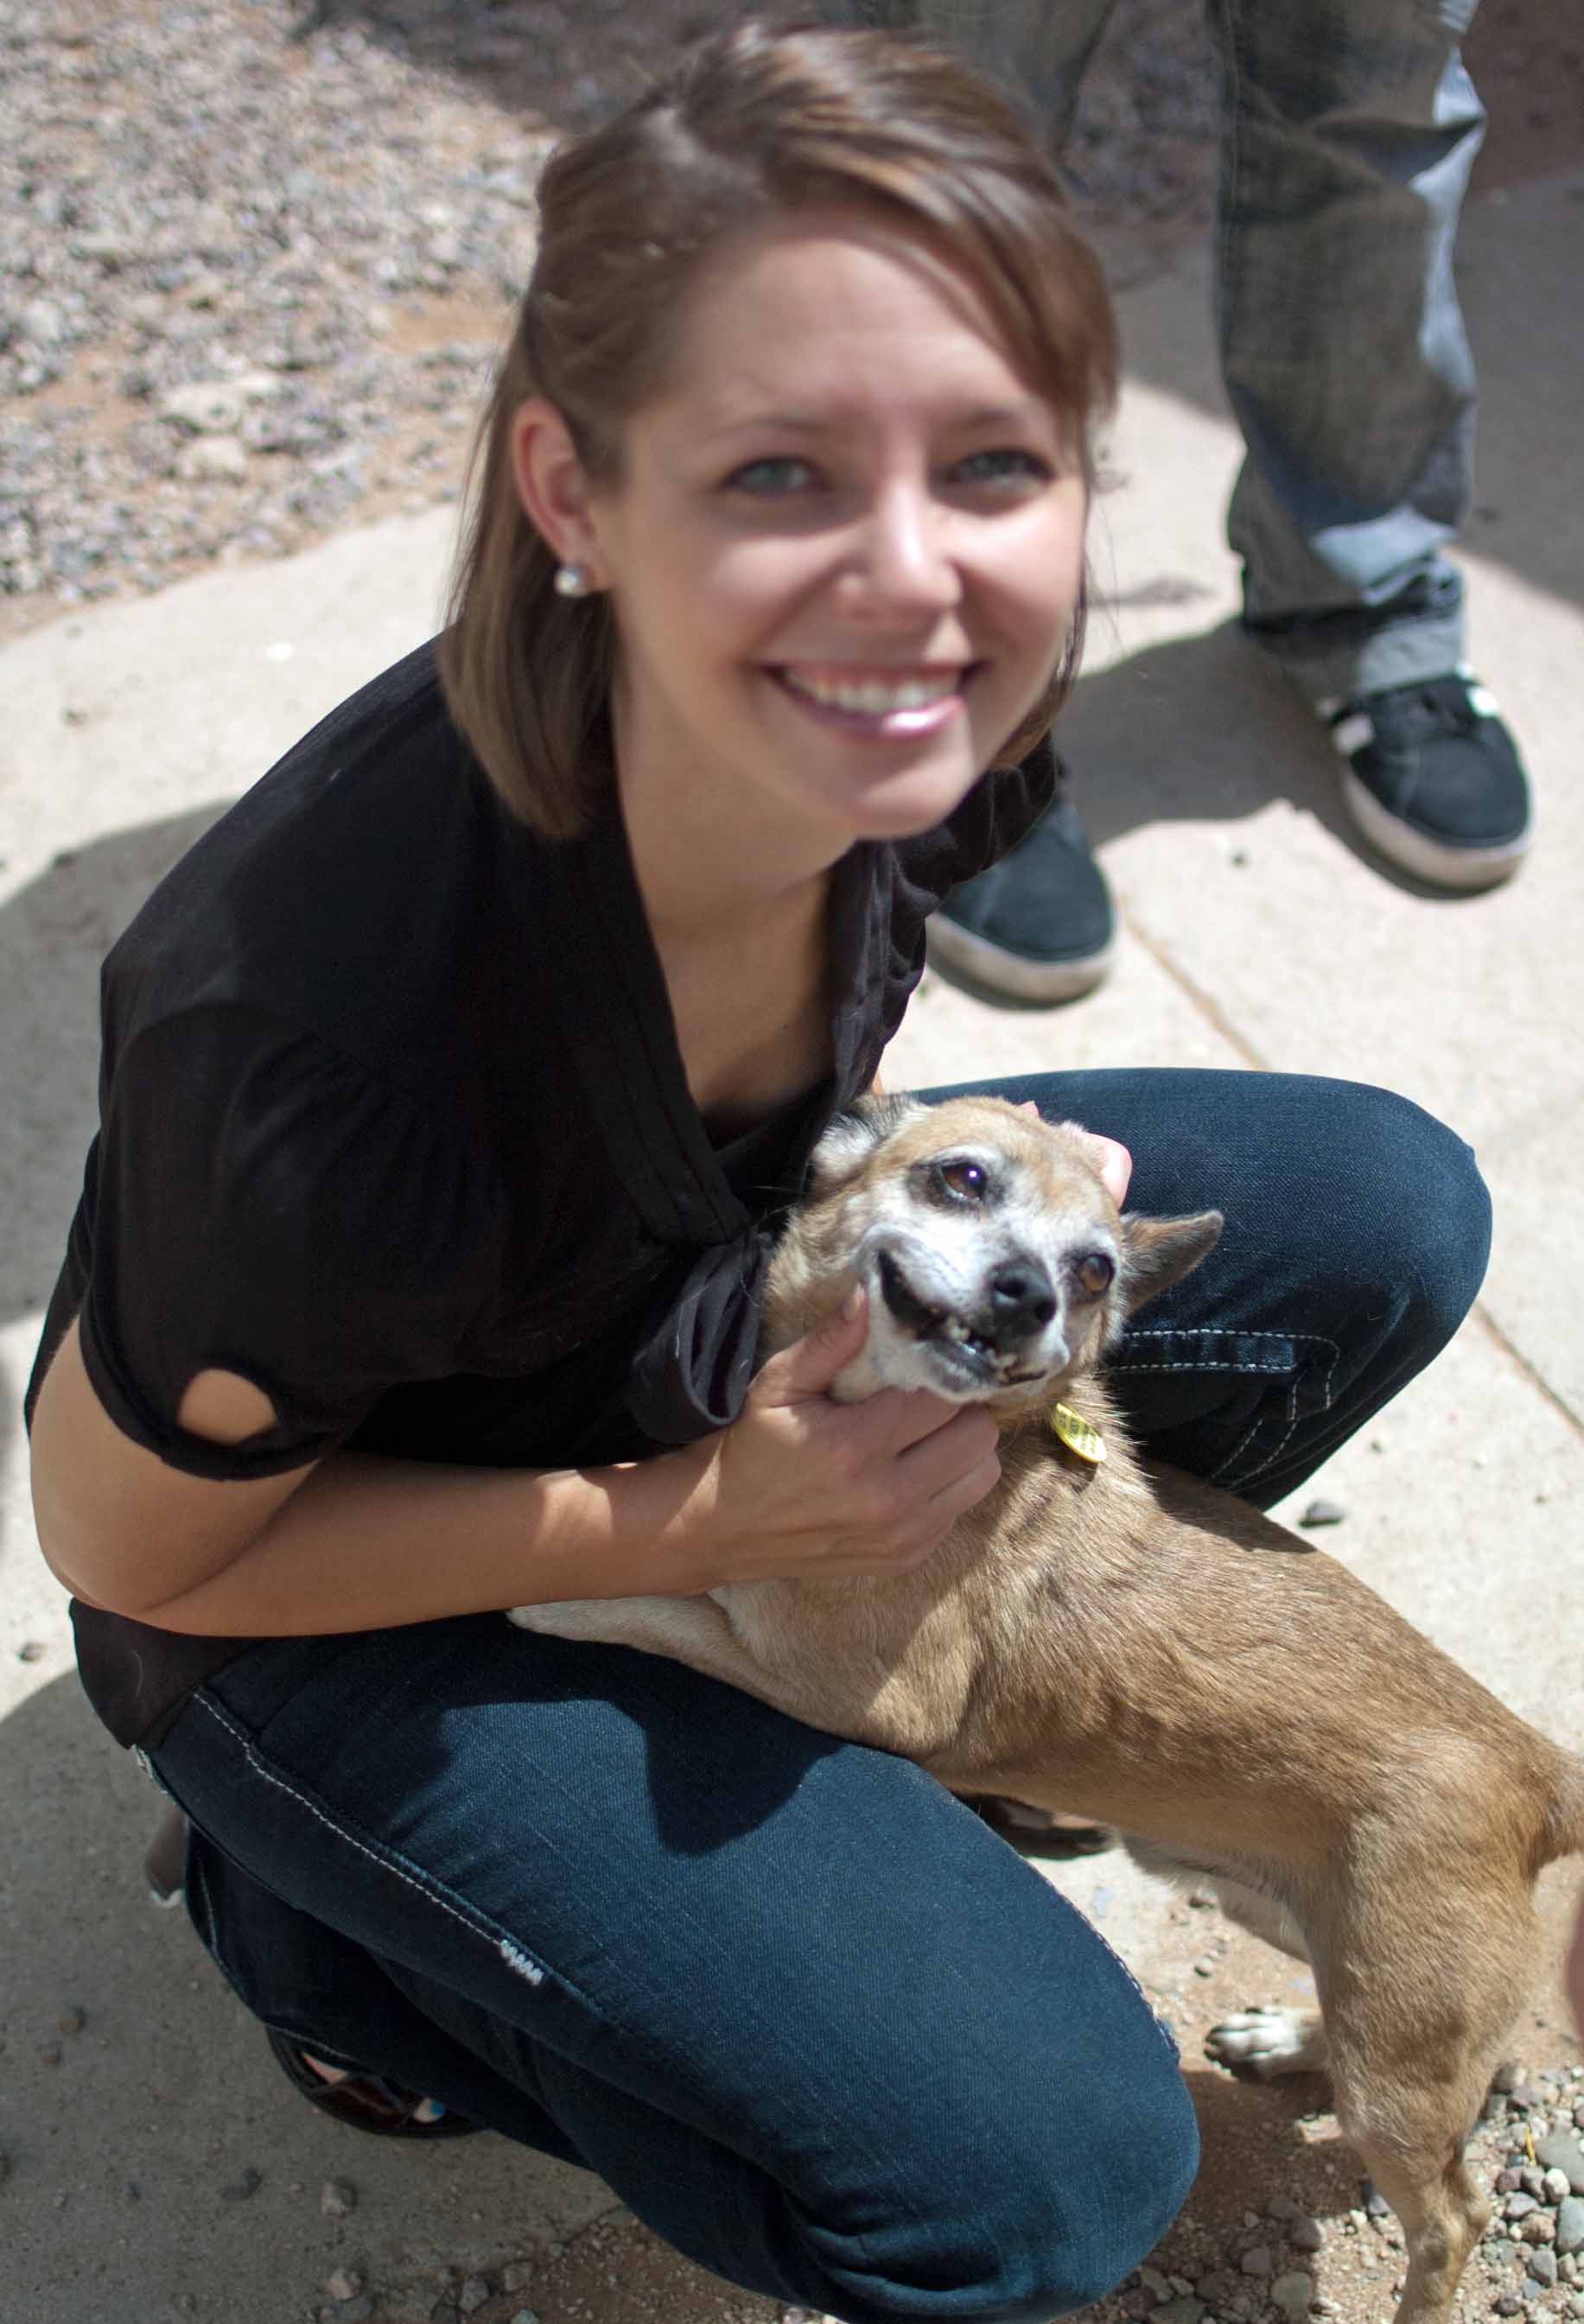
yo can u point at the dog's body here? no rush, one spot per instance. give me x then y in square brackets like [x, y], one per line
[1143, 1649]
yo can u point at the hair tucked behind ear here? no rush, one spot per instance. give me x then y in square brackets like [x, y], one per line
[753, 126]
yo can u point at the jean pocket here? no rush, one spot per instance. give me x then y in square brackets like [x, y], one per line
[1240, 1397]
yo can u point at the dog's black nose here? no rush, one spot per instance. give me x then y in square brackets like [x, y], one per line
[1021, 1296]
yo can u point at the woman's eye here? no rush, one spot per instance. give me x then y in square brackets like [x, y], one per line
[770, 478]
[1007, 462]
[1095, 1273]
[965, 1179]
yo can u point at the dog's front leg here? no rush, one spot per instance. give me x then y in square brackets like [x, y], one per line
[691, 1630]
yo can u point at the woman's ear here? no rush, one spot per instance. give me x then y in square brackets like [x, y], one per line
[553, 485]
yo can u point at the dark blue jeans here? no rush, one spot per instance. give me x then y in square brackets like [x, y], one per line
[802, 2010]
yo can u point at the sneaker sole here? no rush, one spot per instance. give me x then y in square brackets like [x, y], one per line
[1440, 865]
[1007, 972]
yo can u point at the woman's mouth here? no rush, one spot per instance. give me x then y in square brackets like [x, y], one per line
[888, 702]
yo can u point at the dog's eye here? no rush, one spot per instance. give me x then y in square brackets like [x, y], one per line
[965, 1179]
[1095, 1273]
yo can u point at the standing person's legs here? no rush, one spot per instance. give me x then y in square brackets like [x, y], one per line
[811, 2021]
[1349, 129]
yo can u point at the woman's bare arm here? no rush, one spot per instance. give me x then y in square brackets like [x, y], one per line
[799, 1484]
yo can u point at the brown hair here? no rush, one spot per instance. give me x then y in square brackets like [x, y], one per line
[755, 124]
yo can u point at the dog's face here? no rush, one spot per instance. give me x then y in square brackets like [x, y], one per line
[995, 1262]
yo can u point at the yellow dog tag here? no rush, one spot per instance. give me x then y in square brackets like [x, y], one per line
[1077, 1435]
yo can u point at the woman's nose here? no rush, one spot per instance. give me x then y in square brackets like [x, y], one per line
[900, 560]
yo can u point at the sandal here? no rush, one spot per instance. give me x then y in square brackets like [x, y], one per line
[365, 2101]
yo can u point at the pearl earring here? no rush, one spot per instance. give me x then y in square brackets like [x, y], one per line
[571, 581]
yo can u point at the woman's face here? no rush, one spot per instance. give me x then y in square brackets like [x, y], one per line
[845, 548]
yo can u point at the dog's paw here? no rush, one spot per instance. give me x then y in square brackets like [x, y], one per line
[1268, 2043]
[565, 1617]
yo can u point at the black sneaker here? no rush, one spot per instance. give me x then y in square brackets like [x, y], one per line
[1434, 780]
[1039, 924]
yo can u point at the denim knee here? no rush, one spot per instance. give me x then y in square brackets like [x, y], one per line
[1412, 1219]
[1043, 2216]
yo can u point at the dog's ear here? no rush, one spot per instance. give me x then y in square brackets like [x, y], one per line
[1161, 1252]
[853, 1136]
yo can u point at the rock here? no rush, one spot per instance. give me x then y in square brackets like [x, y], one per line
[526, 2316]
[336, 2198]
[1553, 2186]
[1322, 1512]
[216, 407]
[1283, 2207]
[31, 1651]
[1257, 2261]
[1306, 2235]
[345, 2283]
[1563, 2150]
[1507, 2304]
[1543, 2267]
[1217, 2288]
[1293, 2294]
[1519, 2206]
[212, 459]
[1571, 2224]
[472, 2294]
[1539, 2227]
[247, 2183]
[1156, 2283]
[1178, 2311]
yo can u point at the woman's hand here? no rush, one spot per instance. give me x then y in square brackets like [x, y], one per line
[801, 1485]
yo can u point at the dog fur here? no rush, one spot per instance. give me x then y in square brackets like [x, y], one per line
[1128, 1643]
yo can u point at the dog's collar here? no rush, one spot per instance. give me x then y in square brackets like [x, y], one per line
[1077, 1434]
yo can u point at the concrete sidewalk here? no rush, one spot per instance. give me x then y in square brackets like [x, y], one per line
[1255, 935]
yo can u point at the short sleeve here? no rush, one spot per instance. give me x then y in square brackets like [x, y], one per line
[261, 1204]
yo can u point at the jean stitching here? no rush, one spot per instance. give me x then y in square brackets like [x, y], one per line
[1210, 1364]
[510, 1950]
[1222, 1473]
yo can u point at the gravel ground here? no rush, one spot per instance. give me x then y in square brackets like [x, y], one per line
[253, 271]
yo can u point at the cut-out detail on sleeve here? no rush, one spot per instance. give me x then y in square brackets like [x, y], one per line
[225, 1407]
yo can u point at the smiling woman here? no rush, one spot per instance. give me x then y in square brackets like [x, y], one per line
[453, 1088]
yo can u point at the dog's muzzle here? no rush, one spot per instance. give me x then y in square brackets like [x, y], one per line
[1015, 1303]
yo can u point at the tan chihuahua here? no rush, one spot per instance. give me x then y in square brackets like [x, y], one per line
[1146, 1650]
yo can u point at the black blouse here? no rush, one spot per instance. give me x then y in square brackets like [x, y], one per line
[393, 1123]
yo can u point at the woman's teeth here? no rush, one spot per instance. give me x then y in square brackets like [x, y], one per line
[874, 697]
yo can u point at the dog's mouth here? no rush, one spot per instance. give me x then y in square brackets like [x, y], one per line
[964, 1348]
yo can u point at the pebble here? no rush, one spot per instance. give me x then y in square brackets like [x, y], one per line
[1257, 2261]
[1571, 2224]
[1553, 2186]
[526, 2316]
[1306, 2235]
[32, 1650]
[1519, 2206]
[1293, 2294]
[1563, 2150]
[337, 2197]
[1182, 2308]
[1507, 2304]
[1322, 1512]
[475, 2291]
[345, 2283]
[1543, 2266]
[247, 2183]
[1283, 2207]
